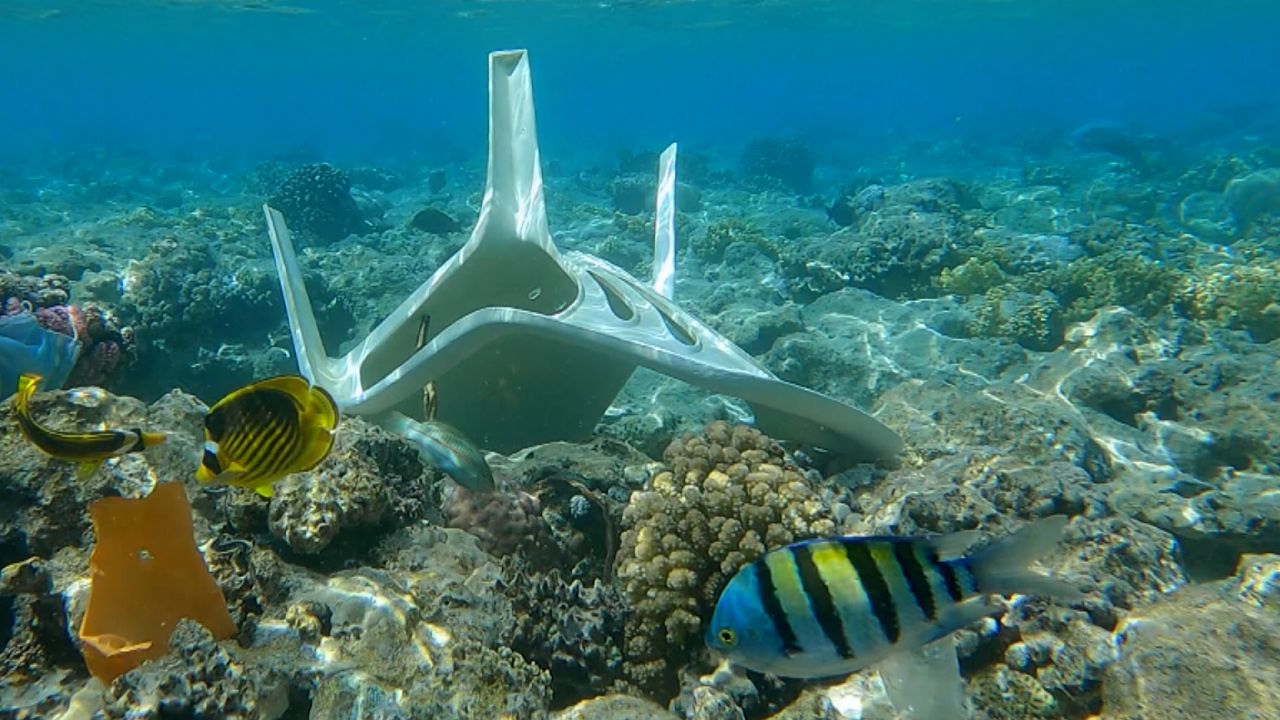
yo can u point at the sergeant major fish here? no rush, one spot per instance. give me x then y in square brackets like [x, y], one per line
[89, 449]
[830, 607]
[264, 431]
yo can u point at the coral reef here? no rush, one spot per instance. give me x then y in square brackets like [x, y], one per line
[197, 679]
[632, 195]
[316, 199]
[787, 161]
[425, 636]
[719, 235]
[615, 707]
[1239, 296]
[1033, 321]
[915, 232]
[505, 521]
[1051, 331]
[1253, 195]
[35, 641]
[348, 498]
[728, 495]
[33, 291]
[572, 630]
[1212, 646]
[187, 311]
[1004, 694]
[106, 348]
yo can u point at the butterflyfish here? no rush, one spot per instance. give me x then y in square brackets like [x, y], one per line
[265, 431]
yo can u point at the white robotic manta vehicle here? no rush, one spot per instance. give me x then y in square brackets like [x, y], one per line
[528, 344]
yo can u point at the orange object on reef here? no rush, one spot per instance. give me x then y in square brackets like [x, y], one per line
[147, 574]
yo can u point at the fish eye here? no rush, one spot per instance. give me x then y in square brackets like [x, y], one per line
[727, 637]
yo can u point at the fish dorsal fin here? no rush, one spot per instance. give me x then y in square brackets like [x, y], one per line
[294, 386]
[954, 545]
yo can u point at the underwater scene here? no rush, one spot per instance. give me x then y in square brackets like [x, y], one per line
[640, 359]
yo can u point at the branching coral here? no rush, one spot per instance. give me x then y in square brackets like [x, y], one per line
[720, 235]
[1116, 278]
[728, 496]
[317, 199]
[973, 277]
[1033, 321]
[1242, 297]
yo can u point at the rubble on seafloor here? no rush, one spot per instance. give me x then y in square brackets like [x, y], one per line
[353, 599]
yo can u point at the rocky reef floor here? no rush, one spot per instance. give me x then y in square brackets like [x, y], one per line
[1073, 334]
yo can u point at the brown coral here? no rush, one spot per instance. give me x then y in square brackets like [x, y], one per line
[147, 575]
[729, 495]
[506, 521]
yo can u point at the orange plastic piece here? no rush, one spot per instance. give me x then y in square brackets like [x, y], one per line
[147, 574]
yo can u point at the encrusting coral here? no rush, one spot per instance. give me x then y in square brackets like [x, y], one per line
[146, 576]
[728, 495]
[506, 521]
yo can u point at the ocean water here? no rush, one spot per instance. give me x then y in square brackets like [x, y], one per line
[1028, 250]
[371, 79]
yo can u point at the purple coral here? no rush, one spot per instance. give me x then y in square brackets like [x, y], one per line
[65, 319]
[105, 348]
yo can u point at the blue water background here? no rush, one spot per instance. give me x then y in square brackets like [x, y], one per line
[352, 81]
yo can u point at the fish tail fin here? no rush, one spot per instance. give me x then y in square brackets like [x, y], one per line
[320, 418]
[315, 446]
[320, 408]
[1002, 568]
[27, 386]
[87, 469]
[151, 439]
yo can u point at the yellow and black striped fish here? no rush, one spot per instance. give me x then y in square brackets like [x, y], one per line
[89, 449]
[262, 432]
[831, 607]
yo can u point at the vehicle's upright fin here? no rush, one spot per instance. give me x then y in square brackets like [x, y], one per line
[664, 226]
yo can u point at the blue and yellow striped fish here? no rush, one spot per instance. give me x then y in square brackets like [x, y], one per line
[262, 432]
[831, 607]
